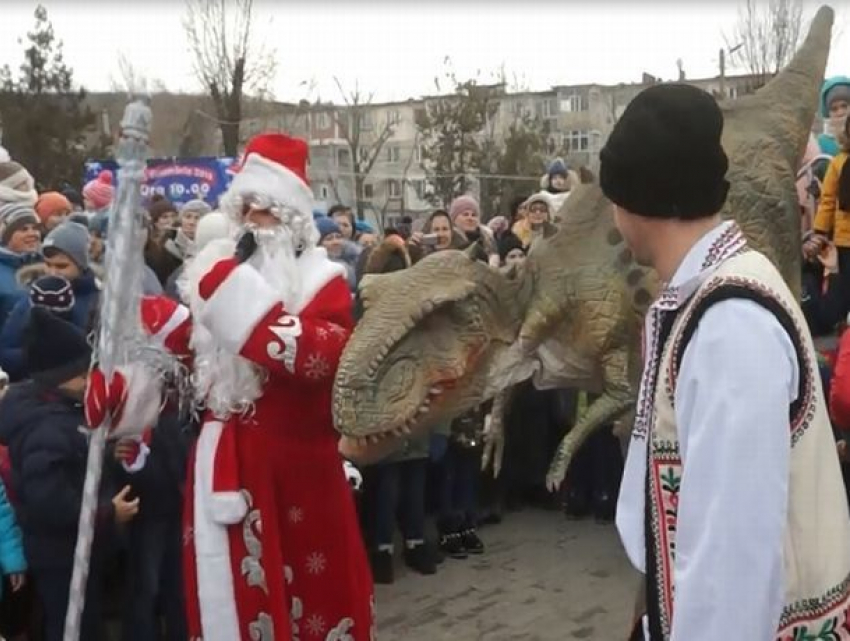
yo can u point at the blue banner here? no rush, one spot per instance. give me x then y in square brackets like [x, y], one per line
[178, 179]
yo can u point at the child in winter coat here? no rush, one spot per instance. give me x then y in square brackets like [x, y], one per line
[42, 423]
[66, 257]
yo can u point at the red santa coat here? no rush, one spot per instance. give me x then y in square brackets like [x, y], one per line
[272, 543]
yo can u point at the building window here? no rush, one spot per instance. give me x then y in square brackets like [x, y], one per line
[363, 155]
[548, 108]
[343, 157]
[418, 156]
[368, 192]
[393, 154]
[323, 192]
[393, 117]
[574, 102]
[323, 120]
[394, 189]
[577, 140]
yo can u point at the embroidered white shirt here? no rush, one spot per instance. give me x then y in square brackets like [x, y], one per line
[737, 378]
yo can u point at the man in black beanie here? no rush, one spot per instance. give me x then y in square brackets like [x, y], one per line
[732, 502]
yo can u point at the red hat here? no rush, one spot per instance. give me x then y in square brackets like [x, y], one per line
[275, 165]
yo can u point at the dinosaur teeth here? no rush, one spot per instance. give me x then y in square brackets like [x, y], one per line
[435, 391]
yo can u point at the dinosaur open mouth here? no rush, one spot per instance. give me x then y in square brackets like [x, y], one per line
[413, 422]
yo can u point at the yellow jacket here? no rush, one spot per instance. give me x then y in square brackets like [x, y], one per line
[829, 219]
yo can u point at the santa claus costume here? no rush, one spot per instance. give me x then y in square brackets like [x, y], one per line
[272, 544]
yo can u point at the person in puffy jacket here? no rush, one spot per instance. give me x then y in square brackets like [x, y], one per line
[20, 243]
[833, 216]
[40, 423]
[65, 252]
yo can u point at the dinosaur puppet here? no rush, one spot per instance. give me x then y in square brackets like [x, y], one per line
[449, 333]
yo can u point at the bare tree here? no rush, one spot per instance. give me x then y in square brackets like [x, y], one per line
[766, 36]
[129, 79]
[365, 138]
[227, 59]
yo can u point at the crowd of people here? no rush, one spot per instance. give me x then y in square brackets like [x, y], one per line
[431, 494]
[52, 270]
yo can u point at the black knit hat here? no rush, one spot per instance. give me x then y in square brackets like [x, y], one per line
[56, 350]
[55, 294]
[507, 243]
[664, 158]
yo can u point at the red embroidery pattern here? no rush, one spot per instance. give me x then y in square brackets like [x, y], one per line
[665, 480]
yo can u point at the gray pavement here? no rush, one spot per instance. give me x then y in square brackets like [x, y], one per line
[542, 577]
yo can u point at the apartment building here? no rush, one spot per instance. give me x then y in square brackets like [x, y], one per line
[579, 118]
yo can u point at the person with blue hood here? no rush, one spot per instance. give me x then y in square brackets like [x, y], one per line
[331, 238]
[20, 244]
[66, 256]
[834, 103]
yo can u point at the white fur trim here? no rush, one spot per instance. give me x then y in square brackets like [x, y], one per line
[216, 597]
[228, 508]
[144, 400]
[180, 315]
[316, 270]
[235, 308]
[261, 176]
[141, 458]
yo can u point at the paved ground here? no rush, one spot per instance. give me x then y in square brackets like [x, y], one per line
[542, 577]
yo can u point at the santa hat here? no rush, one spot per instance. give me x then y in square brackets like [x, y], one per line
[274, 167]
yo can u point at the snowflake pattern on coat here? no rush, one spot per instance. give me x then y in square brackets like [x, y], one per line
[295, 515]
[316, 563]
[316, 625]
[316, 367]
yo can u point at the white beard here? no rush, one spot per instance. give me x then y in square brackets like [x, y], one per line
[225, 383]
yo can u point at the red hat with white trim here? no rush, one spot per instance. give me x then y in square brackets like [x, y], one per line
[274, 168]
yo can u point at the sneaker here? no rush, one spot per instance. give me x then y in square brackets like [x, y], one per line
[471, 542]
[452, 545]
[382, 567]
[420, 558]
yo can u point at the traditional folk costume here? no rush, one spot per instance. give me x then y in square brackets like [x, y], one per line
[272, 542]
[732, 502]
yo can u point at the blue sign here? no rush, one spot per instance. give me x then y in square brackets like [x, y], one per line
[178, 179]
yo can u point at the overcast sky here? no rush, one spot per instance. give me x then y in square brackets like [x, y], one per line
[396, 48]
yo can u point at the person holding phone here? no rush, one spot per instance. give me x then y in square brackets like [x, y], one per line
[437, 234]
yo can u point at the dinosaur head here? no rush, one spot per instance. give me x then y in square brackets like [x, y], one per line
[421, 351]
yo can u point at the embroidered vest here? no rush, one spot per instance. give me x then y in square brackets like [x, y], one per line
[817, 535]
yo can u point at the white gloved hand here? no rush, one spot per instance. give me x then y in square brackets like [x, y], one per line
[352, 475]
